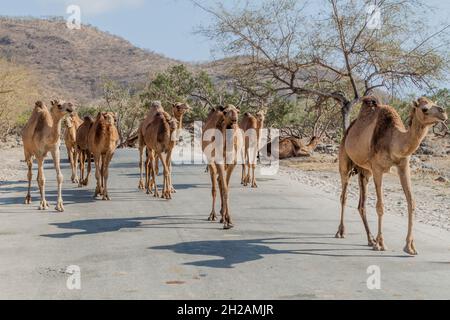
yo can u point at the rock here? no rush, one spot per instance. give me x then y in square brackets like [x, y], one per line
[441, 179]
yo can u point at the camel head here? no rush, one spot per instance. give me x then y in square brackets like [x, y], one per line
[110, 117]
[60, 108]
[179, 109]
[427, 112]
[261, 115]
[231, 114]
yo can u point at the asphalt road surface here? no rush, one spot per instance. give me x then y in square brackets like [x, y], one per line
[137, 246]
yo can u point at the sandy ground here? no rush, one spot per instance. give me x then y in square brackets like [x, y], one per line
[11, 166]
[432, 197]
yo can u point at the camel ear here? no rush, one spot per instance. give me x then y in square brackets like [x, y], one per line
[415, 104]
[220, 108]
[39, 104]
[52, 102]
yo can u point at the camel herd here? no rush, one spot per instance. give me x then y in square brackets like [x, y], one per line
[376, 141]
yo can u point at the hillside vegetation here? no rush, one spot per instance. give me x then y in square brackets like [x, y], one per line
[75, 63]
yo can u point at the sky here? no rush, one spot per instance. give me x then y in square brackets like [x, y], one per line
[163, 26]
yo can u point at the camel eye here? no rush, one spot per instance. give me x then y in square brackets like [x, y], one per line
[441, 110]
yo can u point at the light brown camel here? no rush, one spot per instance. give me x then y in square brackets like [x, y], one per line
[102, 142]
[83, 150]
[221, 157]
[72, 121]
[376, 141]
[160, 139]
[293, 147]
[41, 135]
[252, 127]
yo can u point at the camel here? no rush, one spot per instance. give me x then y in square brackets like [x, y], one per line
[178, 111]
[83, 149]
[251, 127]
[376, 141]
[41, 135]
[72, 121]
[294, 147]
[102, 142]
[154, 108]
[160, 139]
[221, 165]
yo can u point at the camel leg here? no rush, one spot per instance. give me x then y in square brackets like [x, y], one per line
[105, 167]
[378, 179]
[213, 173]
[254, 185]
[224, 190]
[75, 168]
[41, 182]
[141, 168]
[154, 165]
[72, 165]
[82, 167]
[29, 176]
[98, 188]
[345, 167]
[243, 174]
[89, 168]
[405, 179]
[59, 178]
[363, 181]
[166, 194]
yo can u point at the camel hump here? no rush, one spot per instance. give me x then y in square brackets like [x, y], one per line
[371, 101]
[88, 119]
[39, 104]
[388, 118]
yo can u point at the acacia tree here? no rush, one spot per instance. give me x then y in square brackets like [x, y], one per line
[127, 106]
[334, 53]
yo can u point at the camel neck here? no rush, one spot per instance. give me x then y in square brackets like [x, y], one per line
[411, 139]
[56, 128]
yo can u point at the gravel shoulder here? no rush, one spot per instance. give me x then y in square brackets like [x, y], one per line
[432, 196]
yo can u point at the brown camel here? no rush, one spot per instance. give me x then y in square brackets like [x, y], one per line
[72, 121]
[160, 139]
[293, 147]
[376, 141]
[154, 108]
[41, 135]
[220, 158]
[83, 150]
[252, 127]
[178, 111]
[102, 142]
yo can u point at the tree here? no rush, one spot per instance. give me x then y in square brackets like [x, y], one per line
[127, 106]
[18, 91]
[334, 54]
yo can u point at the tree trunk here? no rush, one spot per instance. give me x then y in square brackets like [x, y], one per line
[346, 110]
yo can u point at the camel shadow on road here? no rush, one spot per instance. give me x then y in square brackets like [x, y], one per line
[234, 252]
[94, 226]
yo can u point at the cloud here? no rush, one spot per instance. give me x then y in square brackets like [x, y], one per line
[98, 7]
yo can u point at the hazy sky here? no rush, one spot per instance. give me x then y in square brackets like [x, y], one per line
[163, 26]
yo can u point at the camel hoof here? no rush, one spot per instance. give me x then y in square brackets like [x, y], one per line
[27, 199]
[371, 242]
[212, 217]
[59, 207]
[410, 249]
[340, 234]
[378, 247]
[141, 185]
[254, 186]
[75, 180]
[43, 205]
[227, 226]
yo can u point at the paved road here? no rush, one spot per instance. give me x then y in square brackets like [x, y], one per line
[136, 246]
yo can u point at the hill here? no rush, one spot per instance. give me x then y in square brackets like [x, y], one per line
[74, 63]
